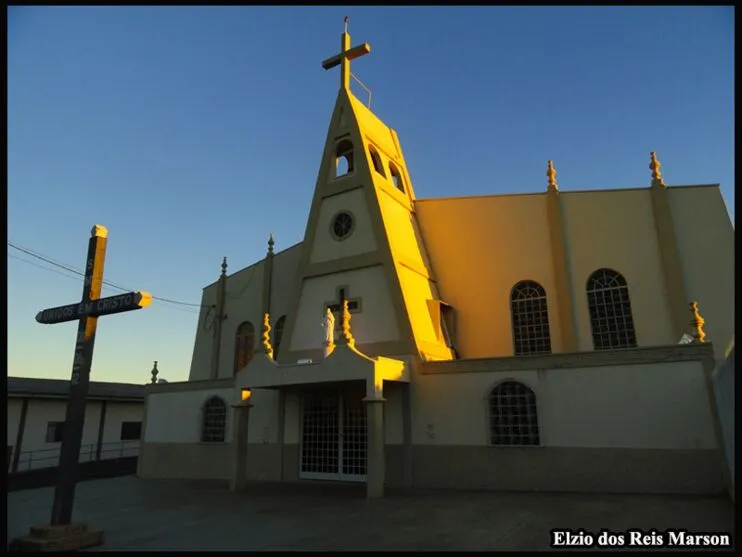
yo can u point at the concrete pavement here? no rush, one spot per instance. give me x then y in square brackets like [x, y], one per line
[174, 515]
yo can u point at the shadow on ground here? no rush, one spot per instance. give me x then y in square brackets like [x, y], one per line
[177, 515]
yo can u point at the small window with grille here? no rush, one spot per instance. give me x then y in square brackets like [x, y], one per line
[214, 421]
[513, 415]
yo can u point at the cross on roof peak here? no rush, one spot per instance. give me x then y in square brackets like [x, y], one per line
[346, 55]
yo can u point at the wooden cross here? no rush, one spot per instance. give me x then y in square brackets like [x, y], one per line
[346, 55]
[354, 305]
[86, 312]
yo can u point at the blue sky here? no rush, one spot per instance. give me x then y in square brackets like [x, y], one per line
[193, 132]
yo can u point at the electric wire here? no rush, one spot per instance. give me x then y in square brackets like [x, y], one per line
[71, 269]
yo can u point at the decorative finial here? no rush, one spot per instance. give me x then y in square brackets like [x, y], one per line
[267, 335]
[224, 266]
[551, 175]
[271, 243]
[347, 335]
[155, 371]
[655, 165]
[697, 323]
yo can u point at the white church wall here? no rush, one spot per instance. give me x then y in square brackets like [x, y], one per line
[376, 322]
[616, 229]
[172, 446]
[630, 428]
[202, 345]
[361, 240]
[705, 237]
[175, 417]
[393, 416]
[285, 265]
[243, 302]
[476, 247]
[723, 379]
[264, 417]
[653, 406]
[292, 423]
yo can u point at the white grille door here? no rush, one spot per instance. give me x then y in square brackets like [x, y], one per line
[333, 443]
[353, 439]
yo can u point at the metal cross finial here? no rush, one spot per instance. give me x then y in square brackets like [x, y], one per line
[224, 266]
[655, 165]
[346, 55]
[154, 372]
[551, 175]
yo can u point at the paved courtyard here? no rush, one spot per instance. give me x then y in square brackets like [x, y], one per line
[143, 515]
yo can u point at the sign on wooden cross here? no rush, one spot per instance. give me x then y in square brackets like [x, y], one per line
[354, 305]
[86, 312]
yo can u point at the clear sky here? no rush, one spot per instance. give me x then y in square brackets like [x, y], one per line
[194, 132]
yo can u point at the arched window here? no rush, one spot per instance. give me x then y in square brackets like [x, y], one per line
[244, 346]
[376, 159]
[343, 158]
[530, 319]
[213, 420]
[396, 177]
[278, 335]
[513, 415]
[610, 310]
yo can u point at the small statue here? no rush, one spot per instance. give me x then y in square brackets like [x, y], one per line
[328, 323]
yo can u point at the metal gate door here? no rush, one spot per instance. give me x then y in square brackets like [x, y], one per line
[333, 444]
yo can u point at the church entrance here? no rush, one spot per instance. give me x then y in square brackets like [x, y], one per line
[333, 444]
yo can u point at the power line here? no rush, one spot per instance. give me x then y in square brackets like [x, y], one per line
[185, 310]
[71, 269]
[42, 267]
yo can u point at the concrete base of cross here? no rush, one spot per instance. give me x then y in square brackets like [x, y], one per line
[69, 537]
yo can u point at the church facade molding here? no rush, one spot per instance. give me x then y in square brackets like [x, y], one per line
[634, 356]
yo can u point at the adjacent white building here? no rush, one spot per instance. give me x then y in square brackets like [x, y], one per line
[36, 413]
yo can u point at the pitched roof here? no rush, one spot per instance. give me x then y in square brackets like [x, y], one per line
[32, 386]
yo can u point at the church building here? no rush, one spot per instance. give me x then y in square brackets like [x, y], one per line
[557, 345]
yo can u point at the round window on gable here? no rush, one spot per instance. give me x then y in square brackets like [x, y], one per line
[342, 225]
[396, 177]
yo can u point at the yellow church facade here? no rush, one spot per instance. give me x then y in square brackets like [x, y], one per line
[526, 341]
